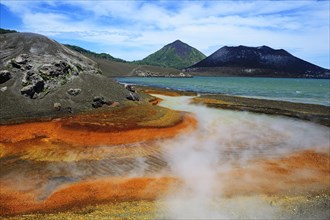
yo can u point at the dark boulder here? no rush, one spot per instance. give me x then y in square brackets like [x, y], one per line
[15, 65]
[73, 92]
[28, 91]
[133, 97]
[39, 86]
[29, 66]
[99, 101]
[129, 88]
[97, 104]
[69, 110]
[19, 61]
[4, 76]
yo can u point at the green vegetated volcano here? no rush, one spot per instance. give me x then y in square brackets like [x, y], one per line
[176, 55]
[93, 54]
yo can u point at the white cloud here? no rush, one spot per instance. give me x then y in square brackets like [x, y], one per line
[147, 26]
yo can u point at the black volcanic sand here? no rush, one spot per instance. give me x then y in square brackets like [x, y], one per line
[315, 113]
[112, 68]
[162, 91]
[16, 108]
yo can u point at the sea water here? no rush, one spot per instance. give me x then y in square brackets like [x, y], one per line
[313, 91]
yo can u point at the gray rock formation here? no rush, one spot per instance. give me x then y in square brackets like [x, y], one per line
[38, 72]
[45, 64]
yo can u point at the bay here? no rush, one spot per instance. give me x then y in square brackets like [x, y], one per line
[313, 91]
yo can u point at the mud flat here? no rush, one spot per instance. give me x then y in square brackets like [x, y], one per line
[38, 158]
[316, 113]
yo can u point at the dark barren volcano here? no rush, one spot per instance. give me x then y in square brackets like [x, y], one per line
[256, 61]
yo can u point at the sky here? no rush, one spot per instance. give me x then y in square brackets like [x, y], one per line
[132, 30]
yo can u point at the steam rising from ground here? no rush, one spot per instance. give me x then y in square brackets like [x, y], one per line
[222, 141]
[219, 164]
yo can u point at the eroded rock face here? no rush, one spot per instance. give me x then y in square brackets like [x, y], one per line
[41, 64]
[4, 76]
[43, 77]
[32, 83]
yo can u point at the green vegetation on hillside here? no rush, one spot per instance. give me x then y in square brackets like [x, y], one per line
[6, 31]
[176, 55]
[93, 54]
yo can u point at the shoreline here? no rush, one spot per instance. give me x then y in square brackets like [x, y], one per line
[309, 112]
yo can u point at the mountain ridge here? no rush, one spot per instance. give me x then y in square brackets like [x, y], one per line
[176, 55]
[94, 54]
[257, 61]
[262, 61]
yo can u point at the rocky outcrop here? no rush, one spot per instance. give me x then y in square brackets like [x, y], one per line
[33, 84]
[43, 64]
[37, 72]
[45, 77]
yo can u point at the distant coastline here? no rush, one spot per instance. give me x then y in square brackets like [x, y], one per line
[310, 112]
[308, 91]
